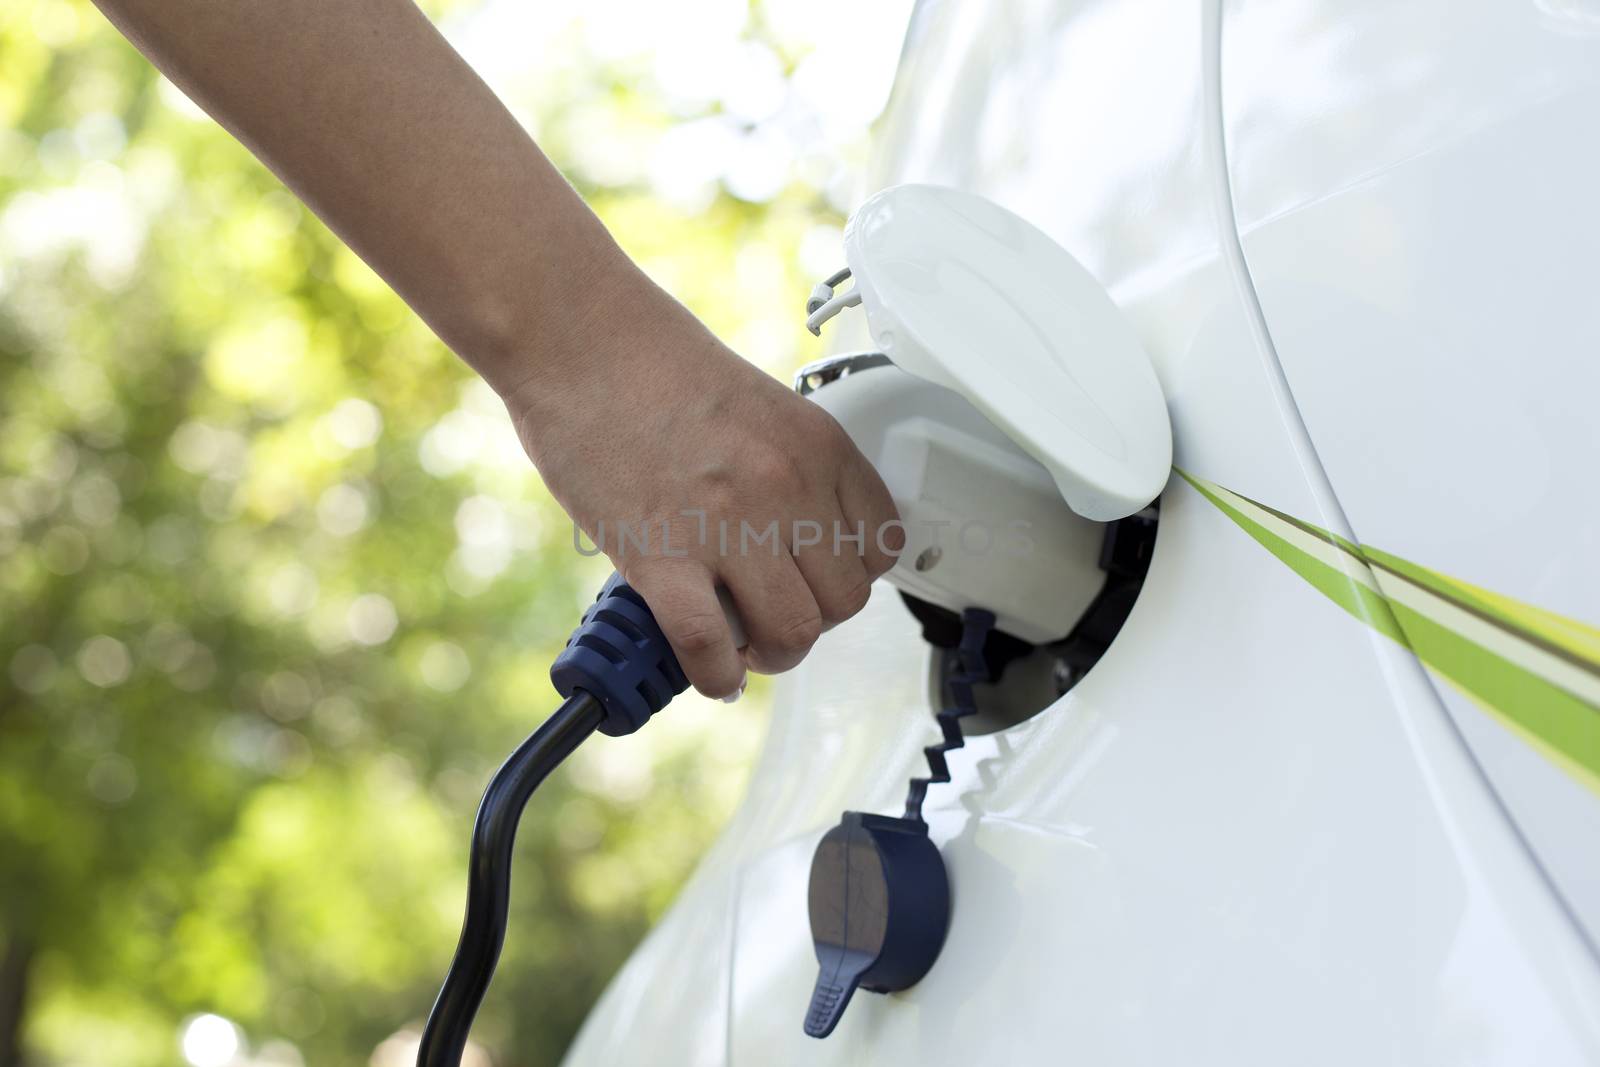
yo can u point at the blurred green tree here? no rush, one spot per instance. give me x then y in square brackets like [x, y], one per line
[277, 587]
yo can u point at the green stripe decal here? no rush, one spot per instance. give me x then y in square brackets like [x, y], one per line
[1535, 671]
[1333, 582]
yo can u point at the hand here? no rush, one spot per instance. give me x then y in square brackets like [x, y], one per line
[691, 469]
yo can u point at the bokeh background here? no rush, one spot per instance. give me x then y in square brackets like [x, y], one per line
[277, 587]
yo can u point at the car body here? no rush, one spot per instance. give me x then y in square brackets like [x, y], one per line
[1288, 816]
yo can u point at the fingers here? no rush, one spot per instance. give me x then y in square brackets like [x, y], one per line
[808, 568]
[682, 596]
[834, 570]
[866, 504]
[781, 617]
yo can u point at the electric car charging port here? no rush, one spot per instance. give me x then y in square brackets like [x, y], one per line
[1008, 398]
[1027, 676]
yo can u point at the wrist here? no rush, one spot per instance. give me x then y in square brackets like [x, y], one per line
[540, 326]
[612, 334]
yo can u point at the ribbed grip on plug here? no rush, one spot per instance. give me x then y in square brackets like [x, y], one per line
[619, 656]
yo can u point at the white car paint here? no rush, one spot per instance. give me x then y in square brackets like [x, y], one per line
[1253, 834]
[1429, 277]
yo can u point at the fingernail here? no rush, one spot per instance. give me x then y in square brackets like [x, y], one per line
[733, 697]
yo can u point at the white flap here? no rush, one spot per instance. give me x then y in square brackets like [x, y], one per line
[962, 292]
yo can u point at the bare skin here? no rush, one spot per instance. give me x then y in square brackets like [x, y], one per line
[629, 407]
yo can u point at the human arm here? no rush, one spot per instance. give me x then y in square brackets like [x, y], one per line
[632, 411]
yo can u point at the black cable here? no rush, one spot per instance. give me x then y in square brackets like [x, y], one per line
[489, 878]
[966, 666]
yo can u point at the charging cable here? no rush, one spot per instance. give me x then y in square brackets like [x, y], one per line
[616, 671]
[878, 925]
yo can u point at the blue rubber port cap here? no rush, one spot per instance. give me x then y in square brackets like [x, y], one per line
[880, 905]
[619, 656]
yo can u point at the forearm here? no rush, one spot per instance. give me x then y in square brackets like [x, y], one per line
[365, 111]
[629, 407]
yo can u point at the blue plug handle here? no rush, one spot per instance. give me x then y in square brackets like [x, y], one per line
[620, 657]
